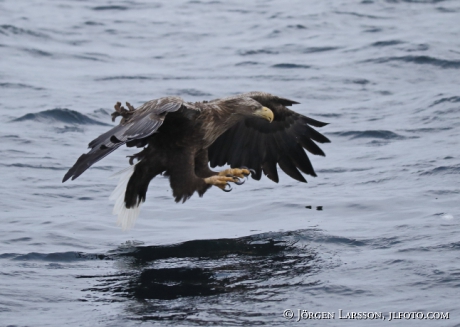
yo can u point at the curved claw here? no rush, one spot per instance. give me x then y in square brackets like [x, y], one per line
[251, 170]
[225, 188]
[239, 181]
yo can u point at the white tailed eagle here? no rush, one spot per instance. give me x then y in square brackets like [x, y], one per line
[252, 132]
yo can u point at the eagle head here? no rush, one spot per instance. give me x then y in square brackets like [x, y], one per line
[248, 107]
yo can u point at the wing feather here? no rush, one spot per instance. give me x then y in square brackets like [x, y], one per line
[143, 122]
[257, 144]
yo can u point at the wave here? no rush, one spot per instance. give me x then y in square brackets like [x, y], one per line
[13, 30]
[329, 115]
[428, 130]
[256, 52]
[290, 66]
[446, 10]
[454, 246]
[358, 14]
[444, 192]
[20, 86]
[340, 170]
[92, 23]
[99, 8]
[386, 43]
[59, 115]
[19, 165]
[375, 134]
[373, 30]
[419, 60]
[191, 92]
[360, 81]
[289, 48]
[318, 49]
[298, 26]
[122, 77]
[53, 257]
[449, 99]
[247, 63]
[38, 53]
[88, 57]
[68, 129]
[101, 113]
[417, 1]
[443, 170]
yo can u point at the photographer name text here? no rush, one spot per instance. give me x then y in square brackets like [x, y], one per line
[299, 314]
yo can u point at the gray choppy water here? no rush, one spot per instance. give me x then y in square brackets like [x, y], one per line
[384, 74]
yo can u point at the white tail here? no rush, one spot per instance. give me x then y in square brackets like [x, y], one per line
[126, 217]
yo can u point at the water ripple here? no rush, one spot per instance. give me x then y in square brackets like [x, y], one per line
[290, 66]
[376, 134]
[443, 170]
[420, 60]
[59, 115]
[13, 30]
[102, 8]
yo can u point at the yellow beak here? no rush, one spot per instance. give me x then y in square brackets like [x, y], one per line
[266, 113]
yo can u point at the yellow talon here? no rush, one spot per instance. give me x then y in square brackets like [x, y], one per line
[219, 181]
[240, 173]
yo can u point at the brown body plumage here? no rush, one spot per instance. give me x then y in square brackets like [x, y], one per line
[180, 139]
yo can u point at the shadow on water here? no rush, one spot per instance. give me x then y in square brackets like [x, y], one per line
[254, 266]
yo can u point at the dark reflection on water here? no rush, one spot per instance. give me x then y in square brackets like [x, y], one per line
[208, 268]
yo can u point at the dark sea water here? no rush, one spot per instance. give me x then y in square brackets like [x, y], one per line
[384, 74]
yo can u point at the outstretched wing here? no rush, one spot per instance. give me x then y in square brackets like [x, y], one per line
[260, 145]
[143, 122]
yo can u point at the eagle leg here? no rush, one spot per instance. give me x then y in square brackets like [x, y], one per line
[121, 111]
[221, 182]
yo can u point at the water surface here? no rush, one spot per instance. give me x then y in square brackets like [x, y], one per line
[384, 74]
